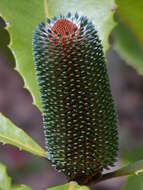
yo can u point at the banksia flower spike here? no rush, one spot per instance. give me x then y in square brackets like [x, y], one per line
[79, 117]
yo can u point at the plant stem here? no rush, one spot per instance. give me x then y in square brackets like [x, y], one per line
[131, 169]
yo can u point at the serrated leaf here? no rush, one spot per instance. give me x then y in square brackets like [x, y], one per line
[69, 186]
[24, 17]
[126, 44]
[10, 134]
[5, 181]
[21, 187]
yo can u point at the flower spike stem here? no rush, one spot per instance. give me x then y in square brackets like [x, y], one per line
[135, 168]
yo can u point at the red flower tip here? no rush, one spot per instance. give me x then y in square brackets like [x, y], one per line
[63, 27]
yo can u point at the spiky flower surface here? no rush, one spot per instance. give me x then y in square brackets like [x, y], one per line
[80, 121]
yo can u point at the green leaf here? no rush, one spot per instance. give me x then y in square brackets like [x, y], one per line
[21, 187]
[128, 47]
[131, 12]
[132, 155]
[134, 183]
[129, 33]
[100, 12]
[24, 17]
[5, 181]
[10, 134]
[131, 169]
[69, 186]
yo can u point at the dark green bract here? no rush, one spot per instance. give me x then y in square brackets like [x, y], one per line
[80, 121]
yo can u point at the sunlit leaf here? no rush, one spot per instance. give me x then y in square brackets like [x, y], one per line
[131, 12]
[5, 181]
[10, 134]
[134, 183]
[127, 45]
[23, 17]
[128, 35]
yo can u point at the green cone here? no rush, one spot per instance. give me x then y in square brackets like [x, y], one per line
[79, 117]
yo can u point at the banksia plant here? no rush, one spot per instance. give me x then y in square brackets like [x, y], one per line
[79, 117]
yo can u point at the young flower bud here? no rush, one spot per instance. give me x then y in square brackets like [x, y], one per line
[79, 117]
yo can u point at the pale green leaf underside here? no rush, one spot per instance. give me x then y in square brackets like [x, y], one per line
[10, 134]
[5, 181]
[69, 186]
[127, 45]
[129, 34]
[24, 17]
[132, 13]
